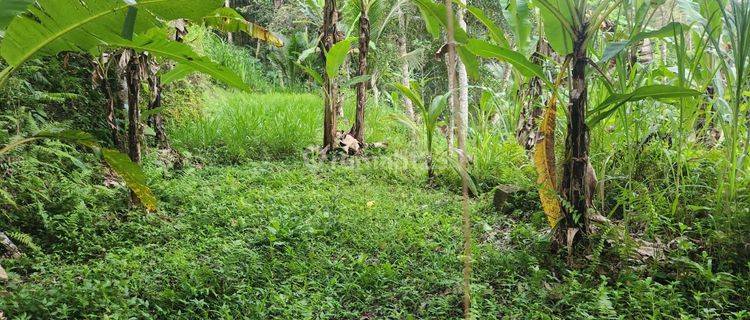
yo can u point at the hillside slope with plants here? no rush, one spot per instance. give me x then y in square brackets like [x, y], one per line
[374, 159]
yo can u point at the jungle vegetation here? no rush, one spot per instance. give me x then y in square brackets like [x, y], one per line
[374, 159]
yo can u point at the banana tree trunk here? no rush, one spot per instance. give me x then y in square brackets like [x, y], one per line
[402, 52]
[123, 92]
[133, 76]
[330, 87]
[358, 131]
[574, 187]
[114, 130]
[133, 73]
[527, 130]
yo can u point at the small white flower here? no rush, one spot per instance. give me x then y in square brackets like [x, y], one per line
[130, 2]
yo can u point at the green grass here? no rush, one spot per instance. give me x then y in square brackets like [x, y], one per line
[294, 240]
[239, 126]
[253, 229]
[239, 60]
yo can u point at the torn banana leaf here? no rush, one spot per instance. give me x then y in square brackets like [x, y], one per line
[228, 20]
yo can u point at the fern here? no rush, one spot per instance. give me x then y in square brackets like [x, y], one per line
[24, 239]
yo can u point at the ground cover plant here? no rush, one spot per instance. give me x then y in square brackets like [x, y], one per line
[546, 159]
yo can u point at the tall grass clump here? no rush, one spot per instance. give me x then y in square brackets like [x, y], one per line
[238, 126]
[259, 126]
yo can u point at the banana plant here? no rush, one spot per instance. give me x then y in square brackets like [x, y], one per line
[370, 18]
[430, 118]
[569, 26]
[49, 27]
[333, 53]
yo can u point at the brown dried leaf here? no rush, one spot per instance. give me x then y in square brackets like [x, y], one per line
[544, 162]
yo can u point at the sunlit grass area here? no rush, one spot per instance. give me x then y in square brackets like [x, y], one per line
[269, 126]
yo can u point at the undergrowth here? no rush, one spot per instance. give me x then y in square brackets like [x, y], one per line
[276, 233]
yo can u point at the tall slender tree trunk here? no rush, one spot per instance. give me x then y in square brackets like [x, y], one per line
[122, 96]
[358, 130]
[462, 107]
[450, 62]
[133, 76]
[330, 86]
[402, 52]
[463, 161]
[574, 187]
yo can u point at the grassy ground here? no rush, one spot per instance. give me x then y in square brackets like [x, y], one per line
[302, 239]
[234, 127]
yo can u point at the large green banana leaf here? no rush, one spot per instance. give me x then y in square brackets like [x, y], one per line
[9, 9]
[54, 26]
[155, 42]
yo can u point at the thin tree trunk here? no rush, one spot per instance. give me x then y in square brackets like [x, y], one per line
[402, 52]
[123, 91]
[574, 187]
[133, 75]
[465, 216]
[450, 62]
[358, 130]
[111, 122]
[462, 107]
[330, 87]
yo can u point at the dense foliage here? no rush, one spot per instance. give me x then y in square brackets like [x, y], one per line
[253, 218]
